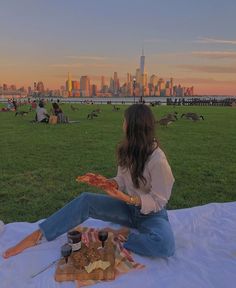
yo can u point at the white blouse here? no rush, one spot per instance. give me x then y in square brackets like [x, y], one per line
[156, 192]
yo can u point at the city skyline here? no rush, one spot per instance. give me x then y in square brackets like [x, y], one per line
[192, 42]
[135, 84]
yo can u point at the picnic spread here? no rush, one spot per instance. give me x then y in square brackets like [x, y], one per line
[205, 254]
[93, 262]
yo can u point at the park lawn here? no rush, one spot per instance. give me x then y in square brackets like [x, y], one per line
[39, 162]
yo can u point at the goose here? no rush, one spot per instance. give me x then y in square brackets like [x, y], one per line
[196, 117]
[115, 108]
[165, 121]
[192, 116]
[186, 115]
[73, 108]
[172, 116]
[91, 115]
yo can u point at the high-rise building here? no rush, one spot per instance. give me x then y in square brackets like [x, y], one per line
[142, 63]
[40, 87]
[189, 91]
[138, 76]
[116, 83]
[161, 84]
[75, 88]
[29, 90]
[129, 77]
[75, 85]
[85, 86]
[69, 85]
[142, 75]
[94, 90]
[179, 91]
[13, 87]
[112, 85]
[115, 76]
[153, 85]
[102, 83]
[154, 80]
[171, 86]
[129, 86]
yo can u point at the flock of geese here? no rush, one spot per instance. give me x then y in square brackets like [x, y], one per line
[172, 117]
[164, 121]
[95, 112]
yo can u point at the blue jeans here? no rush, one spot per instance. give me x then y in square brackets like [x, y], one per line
[154, 237]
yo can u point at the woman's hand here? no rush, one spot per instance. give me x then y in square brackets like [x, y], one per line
[97, 180]
[109, 186]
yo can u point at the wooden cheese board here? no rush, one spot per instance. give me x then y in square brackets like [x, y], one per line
[74, 269]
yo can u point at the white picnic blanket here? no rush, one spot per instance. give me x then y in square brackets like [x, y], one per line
[205, 254]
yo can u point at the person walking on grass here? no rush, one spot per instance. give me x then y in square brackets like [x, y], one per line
[139, 194]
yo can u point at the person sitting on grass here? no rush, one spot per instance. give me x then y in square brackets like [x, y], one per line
[42, 115]
[33, 105]
[146, 179]
[57, 111]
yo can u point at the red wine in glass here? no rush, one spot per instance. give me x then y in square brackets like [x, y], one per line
[102, 236]
[66, 250]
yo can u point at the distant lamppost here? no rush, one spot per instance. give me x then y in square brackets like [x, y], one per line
[134, 86]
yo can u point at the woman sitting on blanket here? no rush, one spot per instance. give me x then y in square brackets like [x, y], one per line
[57, 111]
[146, 179]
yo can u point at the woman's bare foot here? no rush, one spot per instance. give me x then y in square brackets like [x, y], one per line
[27, 242]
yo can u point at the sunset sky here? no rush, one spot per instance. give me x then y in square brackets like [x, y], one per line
[193, 41]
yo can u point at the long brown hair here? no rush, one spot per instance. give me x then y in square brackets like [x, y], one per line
[138, 143]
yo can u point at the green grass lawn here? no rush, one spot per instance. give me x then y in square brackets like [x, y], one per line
[39, 162]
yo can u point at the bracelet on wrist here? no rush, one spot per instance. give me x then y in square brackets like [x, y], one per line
[133, 201]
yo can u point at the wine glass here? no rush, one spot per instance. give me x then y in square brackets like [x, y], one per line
[66, 250]
[102, 236]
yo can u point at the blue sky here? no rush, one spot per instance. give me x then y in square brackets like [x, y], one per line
[192, 41]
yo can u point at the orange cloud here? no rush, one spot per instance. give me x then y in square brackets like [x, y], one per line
[92, 58]
[73, 65]
[208, 68]
[215, 54]
[209, 81]
[215, 41]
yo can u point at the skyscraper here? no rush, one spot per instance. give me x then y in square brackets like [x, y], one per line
[40, 87]
[171, 86]
[69, 85]
[75, 88]
[85, 86]
[142, 74]
[102, 83]
[142, 63]
[138, 76]
[116, 83]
